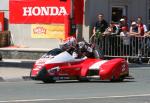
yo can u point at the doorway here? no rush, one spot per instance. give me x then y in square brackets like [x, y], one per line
[118, 12]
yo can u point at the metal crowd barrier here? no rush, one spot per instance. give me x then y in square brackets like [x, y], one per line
[126, 47]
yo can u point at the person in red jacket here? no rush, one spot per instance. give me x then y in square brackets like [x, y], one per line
[140, 26]
[140, 39]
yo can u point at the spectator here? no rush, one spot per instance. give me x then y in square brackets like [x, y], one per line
[139, 21]
[141, 27]
[134, 40]
[99, 28]
[131, 20]
[100, 25]
[138, 29]
[112, 29]
[126, 40]
[133, 28]
[109, 37]
[123, 23]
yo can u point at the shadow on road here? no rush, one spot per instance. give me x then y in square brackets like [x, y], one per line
[97, 81]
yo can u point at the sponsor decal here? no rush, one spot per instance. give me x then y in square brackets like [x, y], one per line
[123, 67]
[39, 30]
[40, 62]
[38, 11]
[36, 69]
[48, 31]
[44, 11]
[54, 70]
[61, 78]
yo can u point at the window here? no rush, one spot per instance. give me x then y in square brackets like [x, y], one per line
[118, 12]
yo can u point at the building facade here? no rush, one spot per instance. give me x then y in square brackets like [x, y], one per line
[112, 10]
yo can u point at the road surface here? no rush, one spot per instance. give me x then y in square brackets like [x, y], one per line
[129, 91]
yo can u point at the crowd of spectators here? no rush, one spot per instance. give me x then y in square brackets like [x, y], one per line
[136, 27]
[126, 30]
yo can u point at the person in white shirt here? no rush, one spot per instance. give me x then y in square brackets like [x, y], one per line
[145, 28]
[125, 36]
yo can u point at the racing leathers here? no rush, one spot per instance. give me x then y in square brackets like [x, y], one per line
[80, 49]
[83, 49]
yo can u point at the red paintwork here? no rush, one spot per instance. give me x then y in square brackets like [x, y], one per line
[112, 68]
[1, 21]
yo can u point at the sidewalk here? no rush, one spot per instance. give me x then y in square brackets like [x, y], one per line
[14, 74]
[15, 69]
[17, 62]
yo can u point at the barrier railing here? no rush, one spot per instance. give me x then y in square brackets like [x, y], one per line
[122, 46]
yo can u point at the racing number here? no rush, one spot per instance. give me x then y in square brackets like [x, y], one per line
[54, 70]
[123, 67]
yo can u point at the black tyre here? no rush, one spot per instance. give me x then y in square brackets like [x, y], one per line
[49, 80]
[120, 79]
[82, 79]
[112, 79]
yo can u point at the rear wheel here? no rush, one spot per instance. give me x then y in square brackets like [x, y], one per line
[49, 80]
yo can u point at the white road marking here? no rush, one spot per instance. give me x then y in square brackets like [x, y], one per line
[36, 100]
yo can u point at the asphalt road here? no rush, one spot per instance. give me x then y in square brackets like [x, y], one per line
[129, 91]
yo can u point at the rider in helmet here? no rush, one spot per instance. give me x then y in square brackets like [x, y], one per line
[78, 50]
[86, 49]
[69, 44]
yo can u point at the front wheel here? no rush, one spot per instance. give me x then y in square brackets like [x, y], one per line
[83, 79]
[120, 79]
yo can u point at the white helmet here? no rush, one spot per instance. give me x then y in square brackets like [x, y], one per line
[81, 44]
[69, 42]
